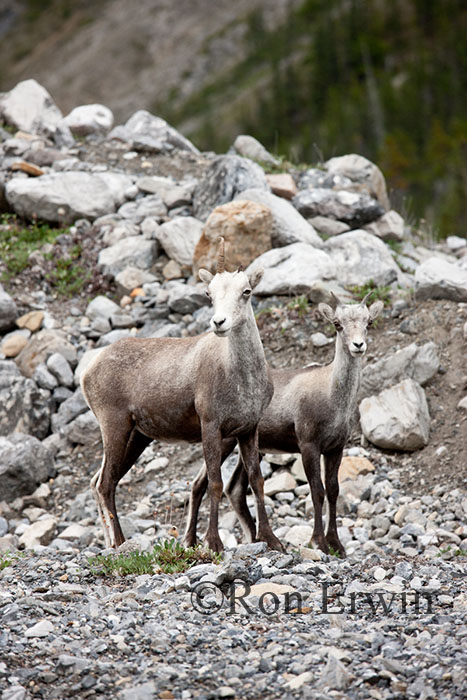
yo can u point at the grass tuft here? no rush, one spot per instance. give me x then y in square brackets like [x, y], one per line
[167, 557]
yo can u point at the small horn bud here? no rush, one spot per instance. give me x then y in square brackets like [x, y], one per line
[221, 256]
[335, 300]
[366, 297]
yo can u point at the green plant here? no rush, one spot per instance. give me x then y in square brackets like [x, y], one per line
[68, 277]
[168, 557]
[300, 305]
[7, 558]
[334, 553]
[382, 293]
[18, 241]
[456, 552]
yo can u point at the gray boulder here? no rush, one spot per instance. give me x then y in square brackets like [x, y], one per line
[29, 107]
[24, 407]
[68, 411]
[61, 369]
[89, 119]
[40, 347]
[249, 147]
[83, 430]
[179, 237]
[360, 257]
[184, 298]
[145, 132]
[66, 196]
[8, 310]
[364, 175]
[140, 209]
[24, 464]
[289, 226]
[397, 418]
[390, 227]
[353, 208]
[225, 178]
[419, 363]
[438, 279]
[101, 307]
[292, 269]
[135, 251]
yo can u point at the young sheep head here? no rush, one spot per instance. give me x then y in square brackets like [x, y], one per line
[351, 322]
[230, 293]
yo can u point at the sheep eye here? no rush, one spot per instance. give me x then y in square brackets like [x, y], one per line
[337, 326]
[247, 292]
[370, 322]
[207, 294]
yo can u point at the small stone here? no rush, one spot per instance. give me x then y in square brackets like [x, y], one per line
[379, 574]
[284, 481]
[44, 378]
[12, 346]
[225, 691]
[319, 340]
[40, 532]
[41, 629]
[172, 270]
[299, 535]
[32, 321]
[302, 679]
[463, 404]
[282, 185]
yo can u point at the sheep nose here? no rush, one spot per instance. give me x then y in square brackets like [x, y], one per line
[218, 324]
[358, 346]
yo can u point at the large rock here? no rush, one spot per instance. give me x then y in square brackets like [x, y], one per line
[246, 228]
[225, 178]
[293, 269]
[135, 251]
[66, 196]
[29, 107]
[39, 533]
[23, 406]
[24, 464]
[390, 227]
[438, 279]
[354, 208]
[40, 347]
[83, 430]
[419, 363]
[360, 258]
[397, 418]
[145, 132]
[137, 211]
[89, 119]
[288, 225]
[8, 310]
[249, 147]
[365, 175]
[179, 238]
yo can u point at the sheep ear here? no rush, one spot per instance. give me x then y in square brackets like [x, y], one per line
[205, 276]
[375, 309]
[326, 311]
[255, 277]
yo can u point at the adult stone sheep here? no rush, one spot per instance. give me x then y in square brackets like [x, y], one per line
[311, 412]
[209, 388]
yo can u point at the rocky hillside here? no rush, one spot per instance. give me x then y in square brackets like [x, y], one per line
[103, 230]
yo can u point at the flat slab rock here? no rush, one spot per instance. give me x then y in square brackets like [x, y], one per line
[397, 418]
[438, 279]
[67, 196]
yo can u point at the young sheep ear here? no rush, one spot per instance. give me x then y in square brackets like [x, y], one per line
[205, 276]
[255, 277]
[326, 311]
[375, 309]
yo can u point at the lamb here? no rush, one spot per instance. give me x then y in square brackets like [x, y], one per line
[311, 412]
[207, 388]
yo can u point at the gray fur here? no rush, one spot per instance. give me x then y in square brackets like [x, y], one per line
[311, 412]
[207, 388]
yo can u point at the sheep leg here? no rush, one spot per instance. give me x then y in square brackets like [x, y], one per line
[212, 448]
[120, 453]
[198, 490]
[248, 446]
[311, 464]
[236, 490]
[332, 462]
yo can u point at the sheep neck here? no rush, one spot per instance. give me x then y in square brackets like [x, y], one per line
[246, 353]
[345, 378]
